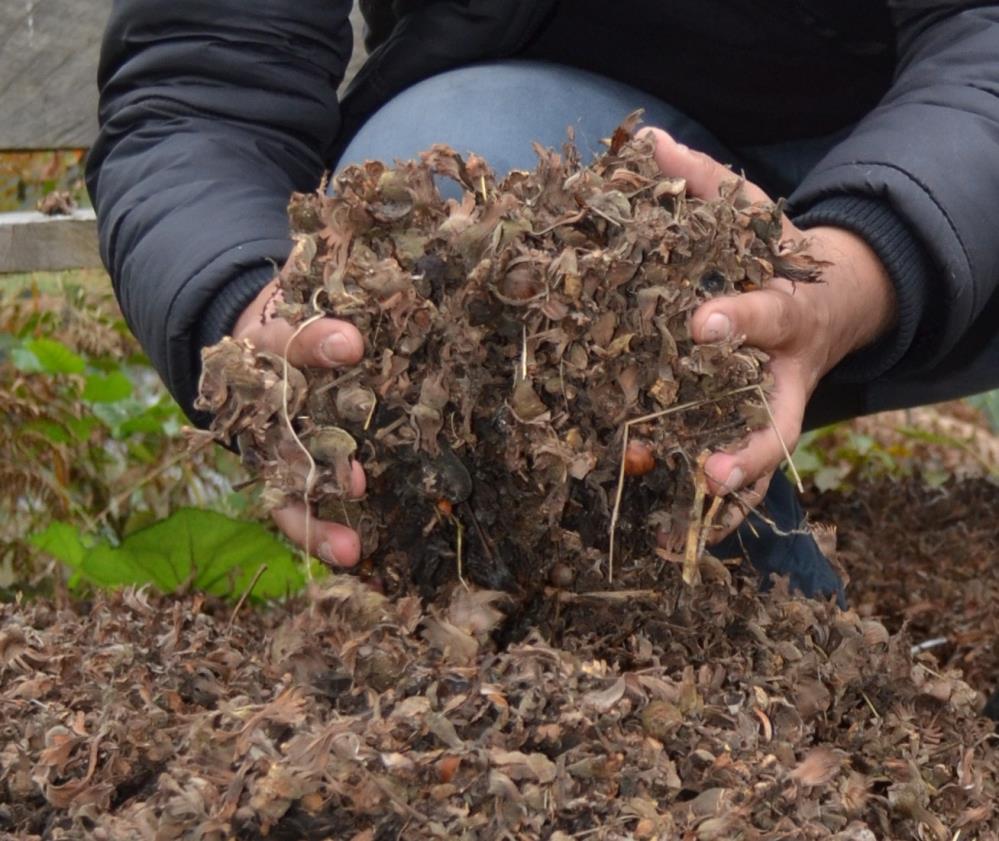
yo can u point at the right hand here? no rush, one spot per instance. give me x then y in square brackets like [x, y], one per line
[326, 343]
[805, 328]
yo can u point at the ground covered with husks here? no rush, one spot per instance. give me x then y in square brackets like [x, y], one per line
[711, 713]
[515, 684]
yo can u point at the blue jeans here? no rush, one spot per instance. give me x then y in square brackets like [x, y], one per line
[498, 109]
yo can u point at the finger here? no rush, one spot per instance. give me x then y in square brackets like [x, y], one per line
[766, 318]
[703, 174]
[334, 543]
[736, 510]
[322, 344]
[764, 449]
[292, 452]
[358, 481]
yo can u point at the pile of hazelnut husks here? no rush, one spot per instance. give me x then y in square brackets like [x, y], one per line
[514, 338]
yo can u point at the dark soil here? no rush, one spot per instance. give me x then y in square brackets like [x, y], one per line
[927, 559]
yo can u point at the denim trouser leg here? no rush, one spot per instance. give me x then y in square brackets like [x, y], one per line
[498, 110]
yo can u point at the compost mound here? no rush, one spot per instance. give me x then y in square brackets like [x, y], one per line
[708, 713]
[517, 334]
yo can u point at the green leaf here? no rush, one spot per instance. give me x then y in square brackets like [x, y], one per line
[830, 478]
[861, 444]
[132, 416]
[107, 388]
[61, 541]
[82, 428]
[162, 418]
[24, 360]
[54, 357]
[55, 432]
[207, 551]
[988, 402]
[806, 461]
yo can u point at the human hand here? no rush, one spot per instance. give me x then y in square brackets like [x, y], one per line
[805, 328]
[325, 343]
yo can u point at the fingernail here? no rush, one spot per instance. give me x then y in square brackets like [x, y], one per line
[335, 348]
[326, 553]
[717, 327]
[734, 480]
[680, 147]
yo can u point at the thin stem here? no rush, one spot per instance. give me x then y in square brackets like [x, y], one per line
[310, 477]
[693, 404]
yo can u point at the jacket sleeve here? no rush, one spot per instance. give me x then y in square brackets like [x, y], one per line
[919, 179]
[211, 115]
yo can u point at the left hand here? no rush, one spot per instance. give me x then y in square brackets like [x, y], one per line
[806, 328]
[326, 343]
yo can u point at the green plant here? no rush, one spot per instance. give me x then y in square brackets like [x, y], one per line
[836, 456]
[190, 549]
[88, 437]
[933, 442]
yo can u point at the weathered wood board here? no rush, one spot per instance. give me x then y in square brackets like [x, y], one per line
[48, 72]
[33, 242]
[48, 100]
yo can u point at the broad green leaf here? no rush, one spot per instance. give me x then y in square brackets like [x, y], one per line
[82, 428]
[24, 360]
[107, 388]
[806, 461]
[830, 478]
[62, 542]
[162, 418]
[861, 444]
[119, 566]
[57, 433]
[989, 403]
[54, 357]
[201, 549]
[131, 415]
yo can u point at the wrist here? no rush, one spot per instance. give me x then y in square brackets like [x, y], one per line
[233, 305]
[856, 290]
[256, 311]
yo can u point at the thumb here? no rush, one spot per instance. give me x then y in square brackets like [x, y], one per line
[763, 450]
[323, 343]
[765, 318]
[703, 174]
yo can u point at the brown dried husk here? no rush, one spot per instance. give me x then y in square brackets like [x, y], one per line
[714, 713]
[512, 336]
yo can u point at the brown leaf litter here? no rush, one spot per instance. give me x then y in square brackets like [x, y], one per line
[925, 557]
[709, 714]
[513, 335]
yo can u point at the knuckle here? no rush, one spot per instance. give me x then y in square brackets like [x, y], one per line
[785, 317]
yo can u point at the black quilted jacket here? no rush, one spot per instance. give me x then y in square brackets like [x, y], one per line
[213, 111]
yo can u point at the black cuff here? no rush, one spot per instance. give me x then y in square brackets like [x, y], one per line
[908, 265]
[220, 316]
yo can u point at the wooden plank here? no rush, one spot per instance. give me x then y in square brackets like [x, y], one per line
[48, 99]
[33, 242]
[48, 74]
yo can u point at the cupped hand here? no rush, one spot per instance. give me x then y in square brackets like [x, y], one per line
[806, 328]
[325, 343]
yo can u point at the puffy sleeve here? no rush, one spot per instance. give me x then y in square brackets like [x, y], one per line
[211, 115]
[918, 178]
